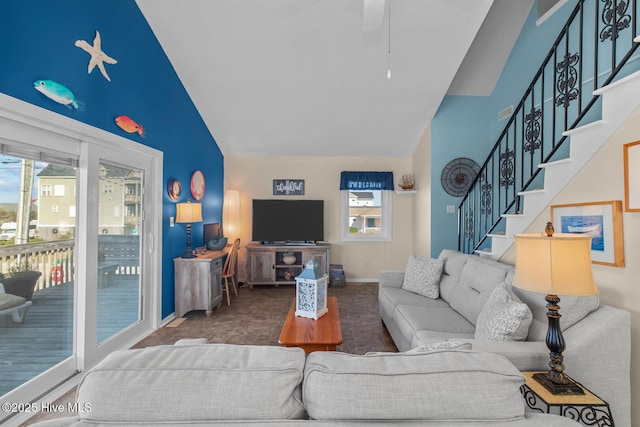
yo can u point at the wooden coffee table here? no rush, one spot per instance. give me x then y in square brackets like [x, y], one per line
[323, 334]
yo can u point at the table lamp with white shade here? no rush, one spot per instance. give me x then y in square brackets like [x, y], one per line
[555, 264]
[188, 213]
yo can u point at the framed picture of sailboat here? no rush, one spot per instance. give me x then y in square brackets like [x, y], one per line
[601, 220]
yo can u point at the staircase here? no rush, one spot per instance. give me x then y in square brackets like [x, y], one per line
[574, 104]
[619, 101]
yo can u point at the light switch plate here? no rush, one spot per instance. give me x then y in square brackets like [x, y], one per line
[171, 221]
[451, 209]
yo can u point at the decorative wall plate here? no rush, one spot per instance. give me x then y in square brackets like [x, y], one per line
[458, 175]
[197, 185]
[174, 189]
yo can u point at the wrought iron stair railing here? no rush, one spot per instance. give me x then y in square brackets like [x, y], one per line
[594, 46]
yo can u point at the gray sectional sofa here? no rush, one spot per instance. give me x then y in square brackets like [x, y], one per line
[223, 384]
[598, 337]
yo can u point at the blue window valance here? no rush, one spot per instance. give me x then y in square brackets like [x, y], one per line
[366, 180]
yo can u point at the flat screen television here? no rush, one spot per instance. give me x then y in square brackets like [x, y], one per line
[278, 221]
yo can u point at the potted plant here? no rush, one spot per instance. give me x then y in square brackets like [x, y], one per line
[21, 280]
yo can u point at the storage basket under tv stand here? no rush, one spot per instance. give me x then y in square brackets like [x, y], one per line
[267, 266]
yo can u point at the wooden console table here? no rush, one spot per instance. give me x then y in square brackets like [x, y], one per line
[323, 334]
[198, 282]
[267, 264]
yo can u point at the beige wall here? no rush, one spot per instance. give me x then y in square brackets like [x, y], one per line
[253, 177]
[601, 180]
[421, 166]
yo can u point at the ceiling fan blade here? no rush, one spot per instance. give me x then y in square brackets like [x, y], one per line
[372, 15]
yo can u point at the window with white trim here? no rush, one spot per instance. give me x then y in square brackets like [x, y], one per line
[365, 206]
[45, 190]
[58, 190]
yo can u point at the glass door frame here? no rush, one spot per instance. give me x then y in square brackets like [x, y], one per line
[92, 154]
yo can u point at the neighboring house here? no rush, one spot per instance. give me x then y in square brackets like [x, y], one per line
[57, 201]
[364, 216]
[119, 201]
[361, 198]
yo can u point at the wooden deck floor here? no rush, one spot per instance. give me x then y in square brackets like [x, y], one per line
[46, 336]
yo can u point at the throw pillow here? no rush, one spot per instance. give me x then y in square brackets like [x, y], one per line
[422, 276]
[504, 317]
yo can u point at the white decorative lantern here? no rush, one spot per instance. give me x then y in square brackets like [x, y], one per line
[311, 292]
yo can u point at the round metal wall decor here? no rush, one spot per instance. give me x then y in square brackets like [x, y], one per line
[458, 175]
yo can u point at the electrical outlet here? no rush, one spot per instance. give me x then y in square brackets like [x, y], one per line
[451, 209]
[366, 263]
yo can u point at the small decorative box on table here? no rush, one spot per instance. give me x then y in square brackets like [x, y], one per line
[311, 292]
[586, 408]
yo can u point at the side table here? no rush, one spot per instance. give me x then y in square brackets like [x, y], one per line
[588, 409]
[198, 282]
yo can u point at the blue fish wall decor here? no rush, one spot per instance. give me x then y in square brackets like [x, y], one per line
[57, 92]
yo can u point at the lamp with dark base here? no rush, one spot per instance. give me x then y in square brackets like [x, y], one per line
[555, 380]
[555, 264]
[187, 213]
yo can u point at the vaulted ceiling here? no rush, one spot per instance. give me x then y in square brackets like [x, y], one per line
[305, 78]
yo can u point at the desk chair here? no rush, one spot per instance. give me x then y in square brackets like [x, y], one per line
[229, 270]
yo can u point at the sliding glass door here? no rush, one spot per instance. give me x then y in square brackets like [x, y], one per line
[76, 216]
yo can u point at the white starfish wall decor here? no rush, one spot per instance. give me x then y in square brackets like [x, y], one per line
[98, 57]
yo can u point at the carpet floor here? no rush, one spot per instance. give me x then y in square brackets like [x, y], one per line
[256, 317]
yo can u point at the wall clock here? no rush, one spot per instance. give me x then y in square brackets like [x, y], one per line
[458, 175]
[197, 185]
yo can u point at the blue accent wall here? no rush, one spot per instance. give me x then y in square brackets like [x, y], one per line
[468, 126]
[37, 42]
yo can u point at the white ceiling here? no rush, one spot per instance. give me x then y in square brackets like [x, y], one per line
[302, 78]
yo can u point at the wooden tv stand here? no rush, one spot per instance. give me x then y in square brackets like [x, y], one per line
[267, 265]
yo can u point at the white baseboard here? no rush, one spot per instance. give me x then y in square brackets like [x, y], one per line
[361, 280]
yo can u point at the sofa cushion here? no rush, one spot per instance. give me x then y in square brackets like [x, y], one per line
[422, 276]
[525, 355]
[9, 301]
[453, 261]
[421, 338]
[504, 317]
[477, 280]
[174, 384]
[410, 319]
[572, 310]
[389, 298]
[422, 386]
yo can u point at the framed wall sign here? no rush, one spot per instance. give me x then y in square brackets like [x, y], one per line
[288, 187]
[601, 220]
[632, 177]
